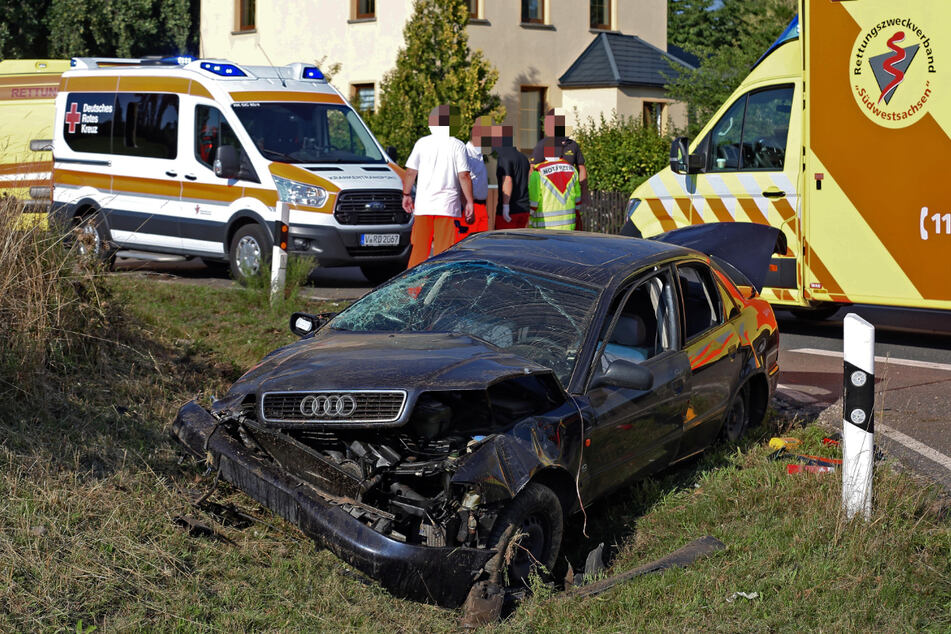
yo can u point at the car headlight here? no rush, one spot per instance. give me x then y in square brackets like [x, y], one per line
[300, 193]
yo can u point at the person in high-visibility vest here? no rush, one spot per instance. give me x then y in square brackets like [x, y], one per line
[555, 193]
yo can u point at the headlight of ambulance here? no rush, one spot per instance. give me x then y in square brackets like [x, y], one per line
[300, 193]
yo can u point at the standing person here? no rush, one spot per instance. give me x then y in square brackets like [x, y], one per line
[481, 132]
[556, 144]
[512, 174]
[439, 160]
[555, 192]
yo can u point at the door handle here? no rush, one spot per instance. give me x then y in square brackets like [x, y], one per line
[191, 177]
[774, 192]
[171, 173]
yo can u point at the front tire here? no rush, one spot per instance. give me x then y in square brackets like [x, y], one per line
[528, 533]
[250, 252]
[90, 239]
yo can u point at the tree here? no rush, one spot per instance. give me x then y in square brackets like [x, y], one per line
[122, 28]
[728, 40]
[621, 152]
[23, 29]
[435, 66]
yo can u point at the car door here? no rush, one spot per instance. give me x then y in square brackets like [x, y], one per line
[146, 172]
[711, 345]
[637, 432]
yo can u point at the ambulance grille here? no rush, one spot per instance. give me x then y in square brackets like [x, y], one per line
[371, 207]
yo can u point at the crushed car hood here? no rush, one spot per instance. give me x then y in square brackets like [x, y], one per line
[350, 360]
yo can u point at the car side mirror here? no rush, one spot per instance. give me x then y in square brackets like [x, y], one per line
[626, 374]
[681, 161]
[227, 163]
[393, 153]
[306, 324]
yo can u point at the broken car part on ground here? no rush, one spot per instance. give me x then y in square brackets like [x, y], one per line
[483, 395]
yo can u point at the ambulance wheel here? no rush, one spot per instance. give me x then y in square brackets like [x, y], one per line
[90, 240]
[250, 252]
[820, 312]
[376, 274]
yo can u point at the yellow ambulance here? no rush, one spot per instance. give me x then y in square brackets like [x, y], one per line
[27, 90]
[840, 136]
[191, 157]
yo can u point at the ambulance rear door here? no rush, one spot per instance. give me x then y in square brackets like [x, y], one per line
[878, 204]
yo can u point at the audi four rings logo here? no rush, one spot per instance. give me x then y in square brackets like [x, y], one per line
[331, 405]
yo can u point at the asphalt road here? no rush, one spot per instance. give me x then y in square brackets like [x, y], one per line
[912, 370]
[912, 376]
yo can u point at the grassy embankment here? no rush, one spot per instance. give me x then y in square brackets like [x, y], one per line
[93, 369]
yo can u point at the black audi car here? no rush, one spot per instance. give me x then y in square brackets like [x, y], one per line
[474, 402]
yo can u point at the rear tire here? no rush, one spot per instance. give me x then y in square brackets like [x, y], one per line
[737, 418]
[530, 530]
[376, 274]
[250, 252]
[90, 240]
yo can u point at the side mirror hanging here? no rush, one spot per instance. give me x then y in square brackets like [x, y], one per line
[681, 161]
[227, 164]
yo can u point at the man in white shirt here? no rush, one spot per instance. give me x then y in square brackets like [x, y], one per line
[481, 133]
[444, 190]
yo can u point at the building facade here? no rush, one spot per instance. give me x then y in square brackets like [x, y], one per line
[532, 43]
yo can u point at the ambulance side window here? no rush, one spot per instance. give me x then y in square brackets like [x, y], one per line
[211, 132]
[146, 125]
[752, 134]
[87, 126]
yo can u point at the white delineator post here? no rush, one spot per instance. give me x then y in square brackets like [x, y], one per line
[858, 427]
[279, 253]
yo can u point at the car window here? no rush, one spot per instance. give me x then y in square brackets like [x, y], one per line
[641, 323]
[752, 134]
[211, 132]
[702, 305]
[539, 318]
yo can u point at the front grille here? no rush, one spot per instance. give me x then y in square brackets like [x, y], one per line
[333, 407]
[371, 207]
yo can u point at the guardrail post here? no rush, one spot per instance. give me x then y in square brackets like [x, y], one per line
[858, 403]
[279, 253]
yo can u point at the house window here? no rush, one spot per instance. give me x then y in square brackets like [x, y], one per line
[363, 97]
[531, 115]
[364, 9]
[654, 112]
[533, 11]
[473, 9]
[601, 14]
[245, 11]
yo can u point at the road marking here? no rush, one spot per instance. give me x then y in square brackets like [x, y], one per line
[886, 360]
[914, 445]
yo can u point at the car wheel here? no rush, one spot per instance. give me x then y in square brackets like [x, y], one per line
[90, 240]
[249, 253]
[376, 274]
[529, 533]
[737, 417]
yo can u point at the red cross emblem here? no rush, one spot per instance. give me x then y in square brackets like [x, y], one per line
[73, 117]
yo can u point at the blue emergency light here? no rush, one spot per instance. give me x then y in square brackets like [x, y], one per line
[225, 70]
[312, 72]
[179, 60]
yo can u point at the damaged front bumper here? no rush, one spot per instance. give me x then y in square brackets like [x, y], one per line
[440, 575]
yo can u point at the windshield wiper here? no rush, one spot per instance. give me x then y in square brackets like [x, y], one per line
[278, 154]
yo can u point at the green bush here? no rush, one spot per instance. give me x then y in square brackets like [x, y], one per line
[620, 153]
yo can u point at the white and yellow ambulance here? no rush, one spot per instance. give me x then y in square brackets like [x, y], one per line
[27, 91]
[191, 157]
[841, 137]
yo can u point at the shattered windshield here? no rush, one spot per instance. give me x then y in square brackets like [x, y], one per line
[295, 132]
[539, 318]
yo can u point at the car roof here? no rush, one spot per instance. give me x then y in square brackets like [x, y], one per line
[591, 258]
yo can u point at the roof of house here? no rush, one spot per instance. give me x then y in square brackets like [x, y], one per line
[615, 59]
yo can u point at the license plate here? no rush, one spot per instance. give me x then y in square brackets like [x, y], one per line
[379, 239]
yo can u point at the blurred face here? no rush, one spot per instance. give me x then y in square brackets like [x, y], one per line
[554, 125]
[445, 116]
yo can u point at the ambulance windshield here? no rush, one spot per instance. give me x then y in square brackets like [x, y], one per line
[308, 132]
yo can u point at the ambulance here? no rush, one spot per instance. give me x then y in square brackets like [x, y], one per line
[841, 137]
[27, 92]
[190, 158]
